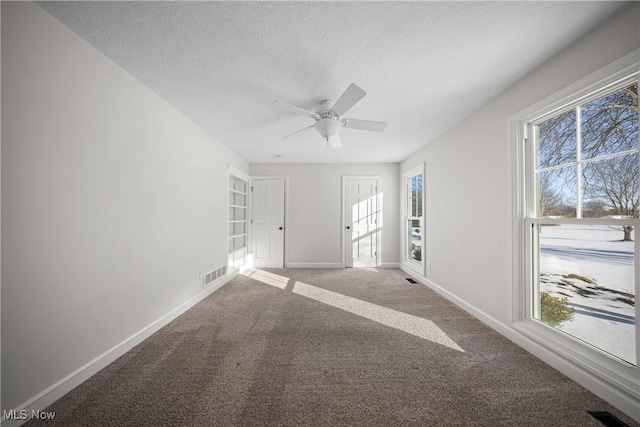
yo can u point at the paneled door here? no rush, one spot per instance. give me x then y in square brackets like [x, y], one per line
[267, 230]
[362, 218]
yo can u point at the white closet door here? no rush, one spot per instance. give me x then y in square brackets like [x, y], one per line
[268, 223]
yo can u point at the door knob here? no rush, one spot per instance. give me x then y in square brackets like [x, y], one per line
[348, 228]
[279, 228]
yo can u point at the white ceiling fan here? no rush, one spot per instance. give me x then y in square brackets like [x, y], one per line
[328, 116]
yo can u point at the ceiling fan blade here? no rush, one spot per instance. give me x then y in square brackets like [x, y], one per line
[365, 125]
[298, 131]
[295, 109]
[348, 99]
[335, 141]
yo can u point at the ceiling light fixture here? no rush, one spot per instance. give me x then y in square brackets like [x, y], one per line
[329, 118]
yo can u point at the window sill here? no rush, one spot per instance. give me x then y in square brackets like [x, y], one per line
[605, 369]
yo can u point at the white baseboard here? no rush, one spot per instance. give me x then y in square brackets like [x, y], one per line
[334, 265]
[48, 396]
[389, 265]
[490, 321]
[571, 368]
[315, 265]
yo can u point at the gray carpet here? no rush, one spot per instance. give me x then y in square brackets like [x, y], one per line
[268, 350]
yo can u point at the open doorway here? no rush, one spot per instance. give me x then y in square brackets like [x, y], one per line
[362, 219]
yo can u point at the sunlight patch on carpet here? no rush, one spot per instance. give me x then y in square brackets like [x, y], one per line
[266, 277]
[414, 325]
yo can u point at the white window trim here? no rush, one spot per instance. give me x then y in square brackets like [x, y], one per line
[615, 378]
[417, 266]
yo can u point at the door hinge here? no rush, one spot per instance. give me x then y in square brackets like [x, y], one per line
[252, 189]
[251, 221]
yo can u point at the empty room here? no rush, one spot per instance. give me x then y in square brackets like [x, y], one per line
[294, 213]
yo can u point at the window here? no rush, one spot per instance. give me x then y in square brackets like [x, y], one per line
[576, 202]
[414, 229]
[584, 197]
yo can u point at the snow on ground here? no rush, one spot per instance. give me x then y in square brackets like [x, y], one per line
[594, 269]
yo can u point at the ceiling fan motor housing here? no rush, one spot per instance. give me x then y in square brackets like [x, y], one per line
[325, 105]
[328, 126]
[328, 122]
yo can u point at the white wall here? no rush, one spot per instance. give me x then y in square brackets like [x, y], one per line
[314, 233]
[468, 173]
[112, 203]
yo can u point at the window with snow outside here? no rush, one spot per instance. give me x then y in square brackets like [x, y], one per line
[583, 192]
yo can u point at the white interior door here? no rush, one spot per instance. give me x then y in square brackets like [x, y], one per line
[268, 222]
[362, 212]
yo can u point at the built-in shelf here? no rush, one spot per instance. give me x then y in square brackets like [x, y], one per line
[238, 198]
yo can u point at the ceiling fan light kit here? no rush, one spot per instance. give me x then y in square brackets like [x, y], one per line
[329, 118]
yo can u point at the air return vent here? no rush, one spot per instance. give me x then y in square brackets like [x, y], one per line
[213, 276]
[608, 419]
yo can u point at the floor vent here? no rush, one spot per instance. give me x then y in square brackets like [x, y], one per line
[213, 276]
[608, 419]
[410, 280]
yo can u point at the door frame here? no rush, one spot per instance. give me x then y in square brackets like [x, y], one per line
[285, 255]
[343, 245]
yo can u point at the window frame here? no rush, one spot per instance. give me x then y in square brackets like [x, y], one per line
[407, 176]
[604, 368]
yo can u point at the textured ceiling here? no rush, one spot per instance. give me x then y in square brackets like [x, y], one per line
[424, 65]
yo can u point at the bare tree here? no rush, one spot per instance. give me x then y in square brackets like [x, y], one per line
[609, 136]
[615, 181]
[550, 197]
[556, 142]
[610, 125]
